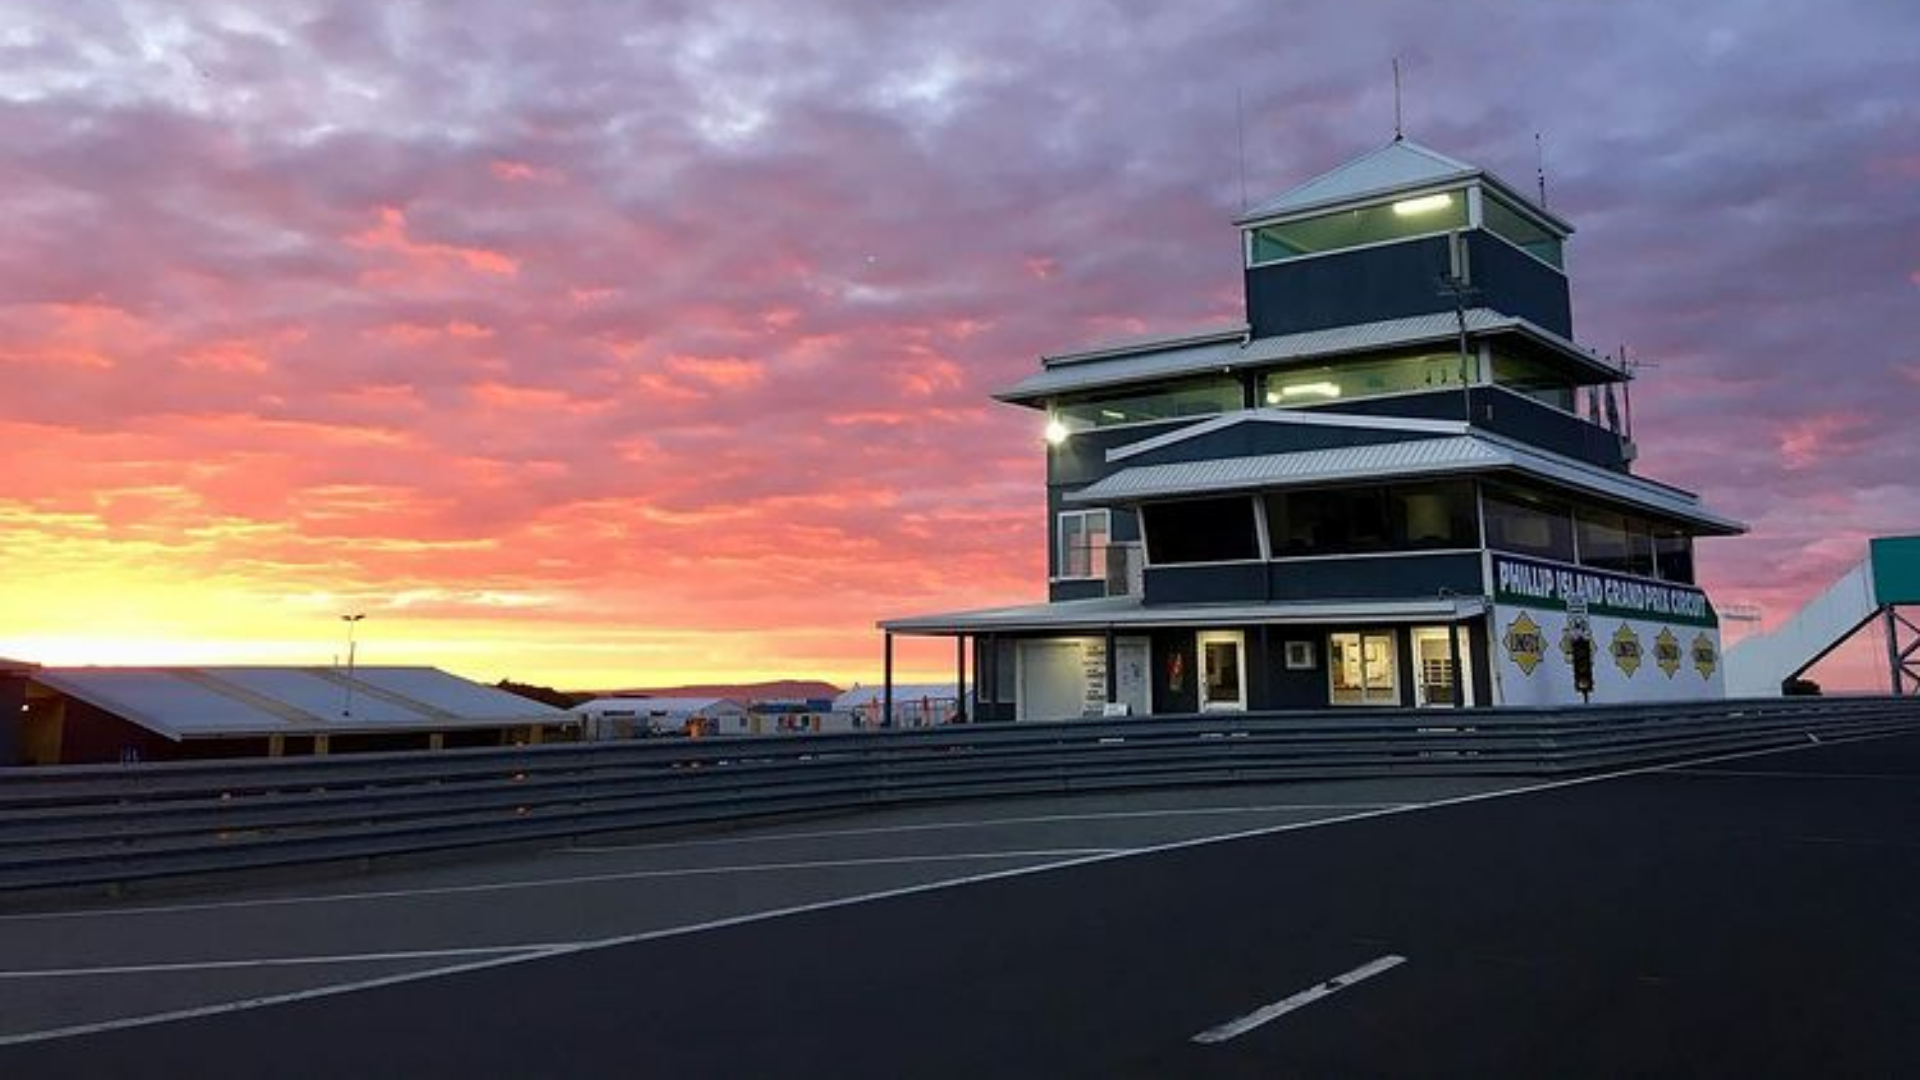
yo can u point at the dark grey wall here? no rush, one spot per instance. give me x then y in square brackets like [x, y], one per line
[1208, 584]
[1165, 699]
[1255, 437]
[13, 695]
[1380, 577]
[1394, 281]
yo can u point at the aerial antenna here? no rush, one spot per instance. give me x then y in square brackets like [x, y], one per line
[1397, 130]
[1240, 127]
[1540, 168]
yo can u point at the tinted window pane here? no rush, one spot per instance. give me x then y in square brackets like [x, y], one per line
[1519, 230]
[1201, 398]
[1353, 228]
[1201, 530]
[1362, 378]
[1531, 527]
[1348, 521]
[1675, 552]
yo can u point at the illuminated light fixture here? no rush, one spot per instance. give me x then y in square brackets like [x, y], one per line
[1422, 205]
[1056, 431]
[1312, 389]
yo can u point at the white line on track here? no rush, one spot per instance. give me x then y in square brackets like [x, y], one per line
[575, 879]
[1782, 774]
[981, 823]
[875, 897]
[278, 961]
[1235, 1028]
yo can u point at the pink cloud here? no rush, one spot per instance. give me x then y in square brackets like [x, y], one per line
[392, 235]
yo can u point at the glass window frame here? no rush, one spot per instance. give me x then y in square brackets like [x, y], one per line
[1493, 205]
[1096, 555]
[1453, 222]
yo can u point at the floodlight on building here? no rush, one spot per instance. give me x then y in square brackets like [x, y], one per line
[1056, 431]
[1425, 204]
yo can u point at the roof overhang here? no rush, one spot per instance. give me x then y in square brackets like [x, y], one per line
[1474, 453]
[1128, 613]
[1119, 369]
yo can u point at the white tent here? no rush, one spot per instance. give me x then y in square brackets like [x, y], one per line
[637, 717]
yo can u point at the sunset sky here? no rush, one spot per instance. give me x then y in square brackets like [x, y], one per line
[613, 344]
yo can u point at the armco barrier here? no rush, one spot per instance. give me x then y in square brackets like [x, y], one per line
[110, 824]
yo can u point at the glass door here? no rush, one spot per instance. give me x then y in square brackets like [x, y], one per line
[1361, 669]
[1223, 670]
[1433, 669]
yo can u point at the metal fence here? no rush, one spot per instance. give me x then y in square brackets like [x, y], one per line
[90, 825]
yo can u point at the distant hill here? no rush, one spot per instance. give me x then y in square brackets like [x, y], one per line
[777, 689]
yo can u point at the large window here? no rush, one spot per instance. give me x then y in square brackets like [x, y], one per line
[1400, 517]
[1361, 669]
[1537, 380]
[1197, 398]
[1529, 525]
[1519, 230]
[1673, 554]
[1365, 378]
[1616, 542]
[1084, 536]
[1610, 540]
[1201, 530]
[1418, 216]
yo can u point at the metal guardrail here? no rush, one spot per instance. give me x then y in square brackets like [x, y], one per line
[89, 825]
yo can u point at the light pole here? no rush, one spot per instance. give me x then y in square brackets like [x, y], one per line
[351, 621]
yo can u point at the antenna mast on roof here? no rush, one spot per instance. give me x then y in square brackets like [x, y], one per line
[1240, 128]
[1540, 168]
[1397, 130]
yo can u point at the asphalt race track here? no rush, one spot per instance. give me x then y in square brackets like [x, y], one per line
[1742, 917]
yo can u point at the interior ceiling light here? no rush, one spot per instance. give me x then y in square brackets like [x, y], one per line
[1422, 205]
[1313, 389]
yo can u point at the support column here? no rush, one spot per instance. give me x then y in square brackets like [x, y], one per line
[322, 744]
[1901, 666]
[1113, 667]
[276, 745]
[960, 678]
[886, 684]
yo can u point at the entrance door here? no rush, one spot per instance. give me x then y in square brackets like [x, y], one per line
[1223, 670]
[1130, 681]
[1052, 679]
[1433, 670]
[1361, 668]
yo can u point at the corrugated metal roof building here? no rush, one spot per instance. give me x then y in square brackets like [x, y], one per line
[105, 714]
[1398, 480]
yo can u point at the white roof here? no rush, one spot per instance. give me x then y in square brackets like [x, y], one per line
[1154, 361]
[903, 693]
[1468, 453]
[660, 706]
[1401, 165]
[1121, 612]
[225, 702]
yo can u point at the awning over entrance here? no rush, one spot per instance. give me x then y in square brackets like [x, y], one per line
[1128, 612]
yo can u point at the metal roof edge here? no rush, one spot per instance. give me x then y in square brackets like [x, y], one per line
[1299, 417]
[56, 678]
[1142, 346]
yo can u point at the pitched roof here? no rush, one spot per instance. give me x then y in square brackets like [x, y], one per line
[1461, 454]
[1401, 165]
[227, 702]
